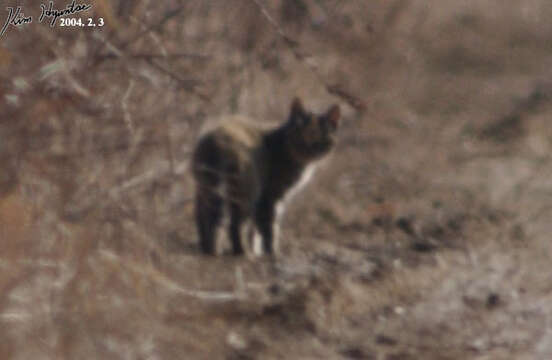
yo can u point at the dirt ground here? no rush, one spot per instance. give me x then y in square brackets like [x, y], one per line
[425, 235]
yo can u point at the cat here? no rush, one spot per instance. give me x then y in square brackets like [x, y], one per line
[251, 172]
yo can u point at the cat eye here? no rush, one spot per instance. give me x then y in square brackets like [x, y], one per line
[328, 125]
[303, 121]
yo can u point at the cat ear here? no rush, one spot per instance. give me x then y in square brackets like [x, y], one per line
[297, 108]
[333, 115]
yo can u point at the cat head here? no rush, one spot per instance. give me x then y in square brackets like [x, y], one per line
[312, 135]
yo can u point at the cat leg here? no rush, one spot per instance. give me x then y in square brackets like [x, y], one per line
[208, 211]
[236, 221]
[264, 220]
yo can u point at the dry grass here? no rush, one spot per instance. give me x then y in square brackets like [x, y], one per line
[423, 237]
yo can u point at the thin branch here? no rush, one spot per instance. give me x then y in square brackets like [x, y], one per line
[124, 105]
[190, 85]
[146, 56]
[161, 169]
[289, 41]
[153, 27]
[333, 89]
[187, 84]
[161, 279]
[352, 100]
[114, 50]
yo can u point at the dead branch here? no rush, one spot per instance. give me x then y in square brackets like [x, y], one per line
[294, 46]
[159, 278]
[124, 106]
[153, 27]
[147, 56]
[190, 85]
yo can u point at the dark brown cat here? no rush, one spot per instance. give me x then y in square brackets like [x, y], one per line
[249, 172]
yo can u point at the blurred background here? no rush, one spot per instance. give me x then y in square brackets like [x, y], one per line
[424, 236]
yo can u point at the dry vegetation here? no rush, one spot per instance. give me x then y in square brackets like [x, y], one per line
[426, 236]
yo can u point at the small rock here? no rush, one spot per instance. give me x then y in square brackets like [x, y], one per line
[385, 340]
[275, 289]
[399, 310]
[406, 226]
[354, 353]
[479, 345]
[493, 300]
[236, 341]
[423, 246]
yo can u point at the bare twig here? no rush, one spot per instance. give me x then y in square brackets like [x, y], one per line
[161, 169]
[190, 85]
[168, 145]
[61, 67]
[114, 50]
[147, 56]
[118, 52]
[352, 100]
[153, 27]
[124, 105]
[161, 279]
[289, 41]
[159, 43]
[114, 194]
[294, 46]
